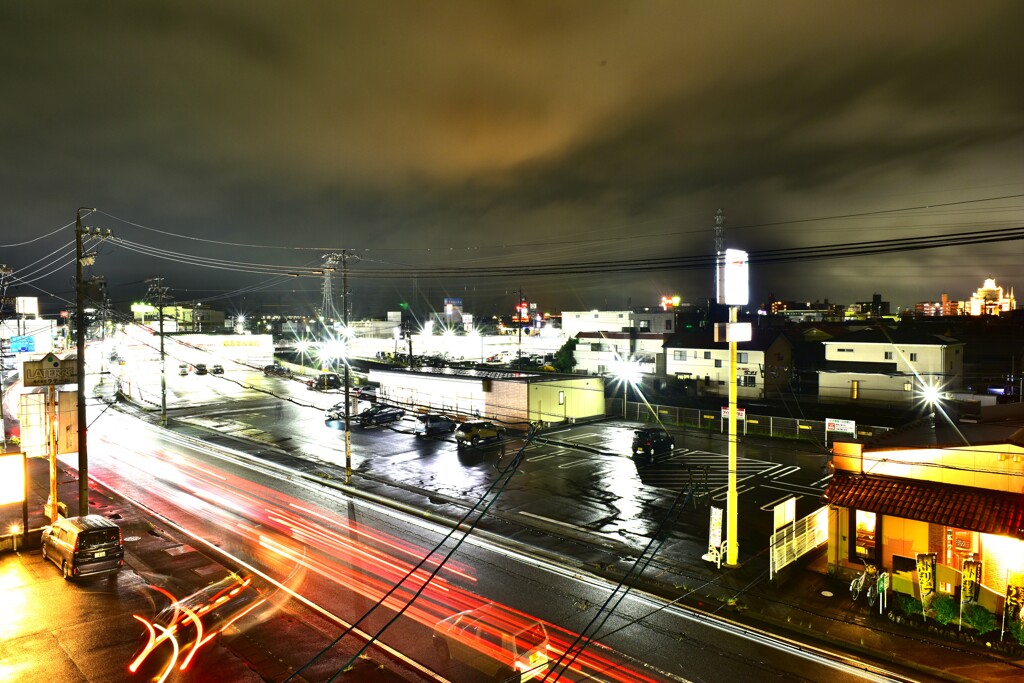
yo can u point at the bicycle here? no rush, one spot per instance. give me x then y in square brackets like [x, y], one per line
[870, 577]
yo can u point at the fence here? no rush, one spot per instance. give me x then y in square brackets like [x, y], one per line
[712, 421]
[797, 539]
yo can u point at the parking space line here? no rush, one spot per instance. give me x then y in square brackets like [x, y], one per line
[767, 507]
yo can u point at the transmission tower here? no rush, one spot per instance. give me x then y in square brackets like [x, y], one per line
[327, 310]
[719, 251]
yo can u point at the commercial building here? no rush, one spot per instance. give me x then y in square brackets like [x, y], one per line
[515, 399]
[643, 320]
[952, 489]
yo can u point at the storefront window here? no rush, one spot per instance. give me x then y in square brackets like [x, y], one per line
[865, 535]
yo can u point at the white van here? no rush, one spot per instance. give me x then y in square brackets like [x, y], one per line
[500, 643]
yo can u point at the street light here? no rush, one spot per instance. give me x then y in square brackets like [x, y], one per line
[628, 372]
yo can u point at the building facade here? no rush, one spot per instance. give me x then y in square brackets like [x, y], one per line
[764, 364]
[645, 320]
[889, 365]
[515, 399]
[922, 490]
[990, 299]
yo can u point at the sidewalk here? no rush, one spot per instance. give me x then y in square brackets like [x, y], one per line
[83, 631]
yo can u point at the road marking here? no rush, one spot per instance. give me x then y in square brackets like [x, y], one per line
[795, 488]
[555, 521]
[574, 464]
[767, 507]
[789, 470]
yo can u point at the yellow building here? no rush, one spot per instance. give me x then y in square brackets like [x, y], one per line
[990, 300]
[955, 490]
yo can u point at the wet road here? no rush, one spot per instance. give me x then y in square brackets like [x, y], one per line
[256, 516]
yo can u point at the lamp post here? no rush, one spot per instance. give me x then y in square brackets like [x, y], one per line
[733, 292]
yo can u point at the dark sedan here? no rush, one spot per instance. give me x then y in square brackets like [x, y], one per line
[378, 415]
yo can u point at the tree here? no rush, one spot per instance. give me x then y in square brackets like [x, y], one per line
[565, 361]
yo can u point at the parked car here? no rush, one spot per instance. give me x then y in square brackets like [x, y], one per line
[434, 424]
[276, 370]
[651, 441]
[367, 392]
[217, 369]
[380, 414]
[325, 381]
[476, 431]
[201, 369]
[501, 644]
[84, 546]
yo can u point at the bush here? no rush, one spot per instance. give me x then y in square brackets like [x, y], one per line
[1017, 631]
[908, 604]
[979, 618]
[945, 608]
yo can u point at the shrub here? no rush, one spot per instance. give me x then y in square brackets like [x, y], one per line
[908, 604]
[1017, 631]
[945, 608]
[979, 618]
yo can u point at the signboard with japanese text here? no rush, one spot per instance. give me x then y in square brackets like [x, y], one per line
[842, 426]
[49, 371]
[1014, 605]
[926, 576]
[970, 581]
[715, 531]
[741, 413]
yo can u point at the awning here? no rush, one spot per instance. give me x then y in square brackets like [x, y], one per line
[961, 507]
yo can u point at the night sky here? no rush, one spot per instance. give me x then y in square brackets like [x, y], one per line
[474, 148]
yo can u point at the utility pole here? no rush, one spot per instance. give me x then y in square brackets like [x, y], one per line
[348, 340]
[519, 316]
[83, 451]
[157, 289]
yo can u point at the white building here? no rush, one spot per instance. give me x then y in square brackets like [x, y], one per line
[765, 363]
[597, 353]
[653, 320]
[889, 365]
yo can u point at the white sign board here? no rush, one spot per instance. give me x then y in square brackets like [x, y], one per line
[784, 513]
[734, 289]
[715, 530]
[741, 413]
[49, 372]
[844, 426]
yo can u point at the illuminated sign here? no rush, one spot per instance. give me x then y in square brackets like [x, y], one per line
[12, 478]
[733, 285]
[668, 302]
[49, 372]
[23, 344]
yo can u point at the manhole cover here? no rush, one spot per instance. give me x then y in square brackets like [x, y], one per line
[827, 594]
[132, 538]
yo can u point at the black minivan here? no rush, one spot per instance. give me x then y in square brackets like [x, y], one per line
[84, 546]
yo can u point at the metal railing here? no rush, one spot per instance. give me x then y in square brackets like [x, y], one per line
[712, 421]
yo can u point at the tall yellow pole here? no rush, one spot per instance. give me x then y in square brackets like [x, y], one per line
[732, 502]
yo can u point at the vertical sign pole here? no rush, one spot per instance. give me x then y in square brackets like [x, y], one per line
[733, 546]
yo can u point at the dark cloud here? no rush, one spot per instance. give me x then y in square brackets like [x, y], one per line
[417, 130]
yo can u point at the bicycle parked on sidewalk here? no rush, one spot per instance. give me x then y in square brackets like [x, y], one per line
[866, 581]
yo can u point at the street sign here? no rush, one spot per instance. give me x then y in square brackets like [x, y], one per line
[844, 426]
[49, 372]
[741, 413]
[23, 344]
